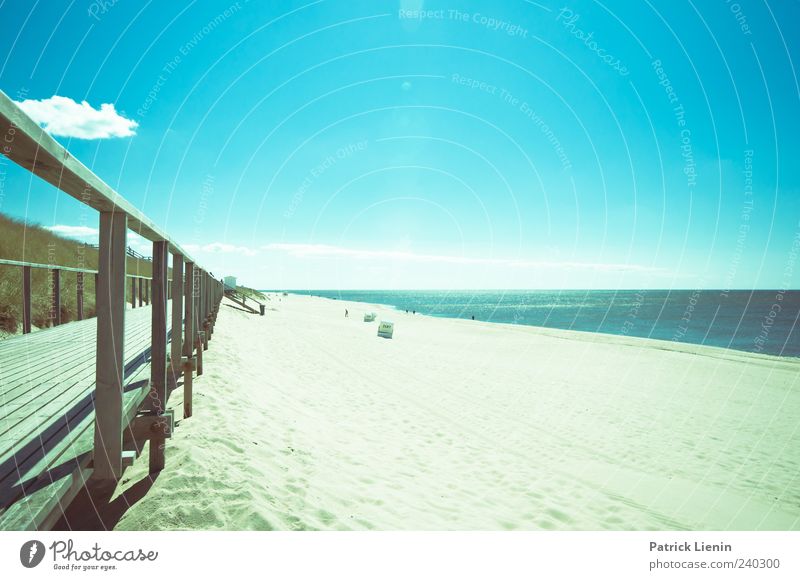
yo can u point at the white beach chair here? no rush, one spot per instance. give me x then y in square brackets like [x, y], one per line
[386, 329]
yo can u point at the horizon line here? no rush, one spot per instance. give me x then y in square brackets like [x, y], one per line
[721, 290]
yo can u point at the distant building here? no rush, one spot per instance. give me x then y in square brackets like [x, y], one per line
[230, 282]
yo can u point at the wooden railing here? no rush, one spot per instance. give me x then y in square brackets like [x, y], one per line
[241, 299]
[195, 293]
[131, 252]
[54, 316]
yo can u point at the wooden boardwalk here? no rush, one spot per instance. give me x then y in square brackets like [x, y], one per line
[47, 388]
[82, 399]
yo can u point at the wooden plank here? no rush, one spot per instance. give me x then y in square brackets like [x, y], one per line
[50, 400]
[31, 513]
[33, 397]
[62, 445]
[110, 341]
[16, 349]
[52, 334]
[146, 427]
[44, 266]
[71, 407]
[26, 357]
[23, 386]
[79, 477]
[242, 304]
[36, 357]
[39, 395]
[55, 441]
[26, 299]
[69, 458]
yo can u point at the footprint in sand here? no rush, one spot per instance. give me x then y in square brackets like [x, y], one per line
[559, 515]
[546, 525]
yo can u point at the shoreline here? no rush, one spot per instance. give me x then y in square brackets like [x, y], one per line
[584, 335]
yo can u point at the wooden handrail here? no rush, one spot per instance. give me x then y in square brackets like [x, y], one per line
[4, 262]
[55, 298]
[130, 251]
[28, 145]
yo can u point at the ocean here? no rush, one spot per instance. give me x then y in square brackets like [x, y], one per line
[761, 321]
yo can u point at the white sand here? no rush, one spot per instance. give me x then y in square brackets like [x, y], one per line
[307, 420]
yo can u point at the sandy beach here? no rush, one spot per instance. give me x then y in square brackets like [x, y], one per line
[305, 419]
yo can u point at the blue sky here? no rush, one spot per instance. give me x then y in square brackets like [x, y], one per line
[414, 144]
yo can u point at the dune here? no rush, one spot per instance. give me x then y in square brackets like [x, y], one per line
[305, 419]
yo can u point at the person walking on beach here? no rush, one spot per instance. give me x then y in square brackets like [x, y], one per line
[346, 314]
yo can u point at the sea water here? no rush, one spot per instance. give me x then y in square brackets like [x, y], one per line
[762, 321]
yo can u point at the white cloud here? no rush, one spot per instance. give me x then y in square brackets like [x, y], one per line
[91, 235]
[140, 244]
[63, 117]
[221, 248]
[73, 231]
[327, 251]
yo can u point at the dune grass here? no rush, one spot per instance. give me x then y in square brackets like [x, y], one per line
[32, 243]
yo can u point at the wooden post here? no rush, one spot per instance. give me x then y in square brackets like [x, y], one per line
[204, 290]
[197, 292]
[212, 290]
[133, 292]
[176, 347]
[141, 291]
[55, 315]
[79, 297]
[26, 299]
[147, 291]
[210, 294]
[158, 356]
[188, 337]
[208, 307]
[110, 346]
